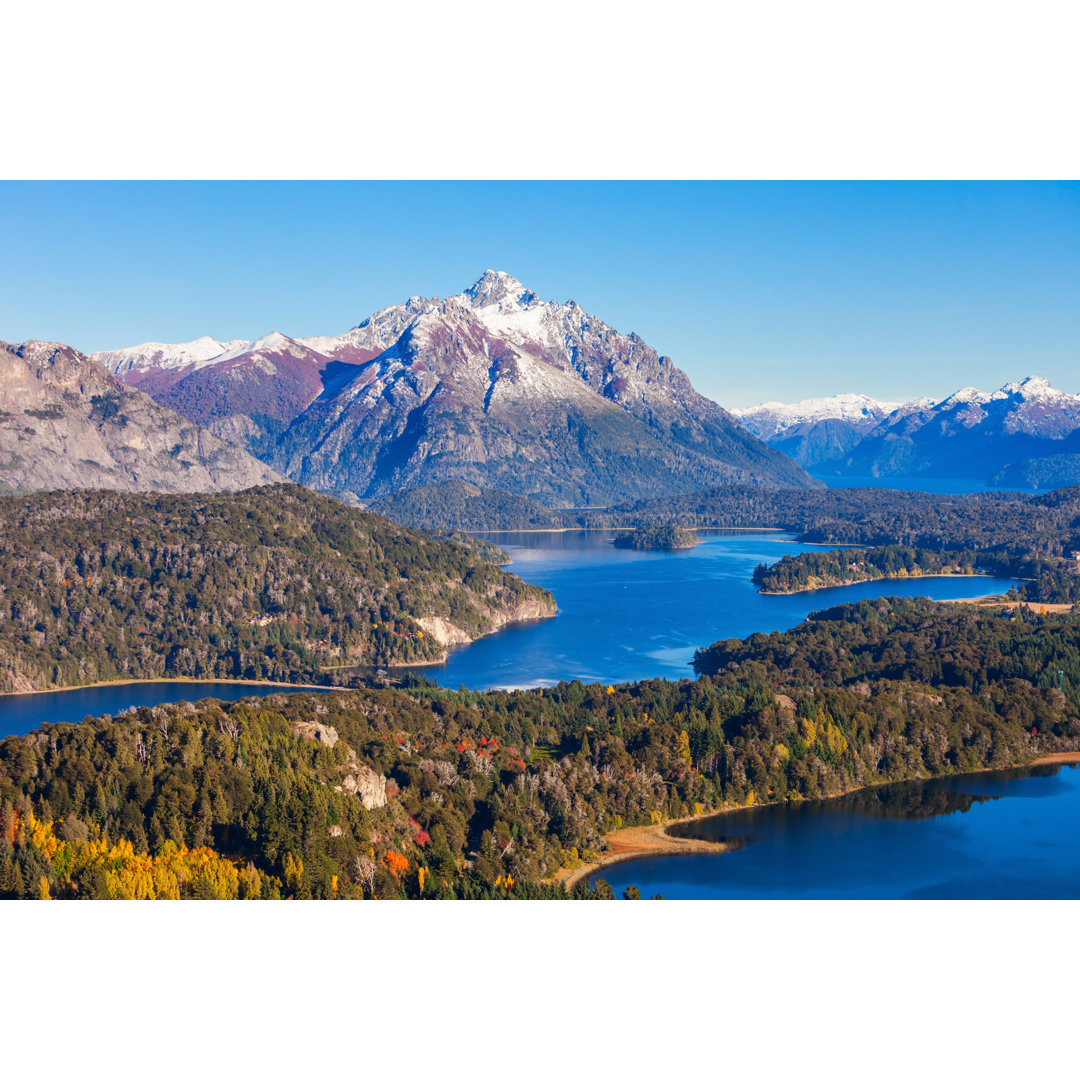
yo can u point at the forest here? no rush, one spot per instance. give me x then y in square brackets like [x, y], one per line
[457, 504]
[657, 538]
[420, 792]
[274, 583]
[826, 569]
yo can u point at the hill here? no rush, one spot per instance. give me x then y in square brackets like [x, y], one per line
[271, 583]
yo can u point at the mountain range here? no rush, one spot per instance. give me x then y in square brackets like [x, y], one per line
[493, 386]
[66, 422]
[1024, 434]
[816, 429]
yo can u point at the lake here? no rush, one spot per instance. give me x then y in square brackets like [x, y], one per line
[997, 835]
[623, 615]
[630, 615]
[21, 713]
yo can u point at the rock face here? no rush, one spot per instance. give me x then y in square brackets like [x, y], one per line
[367, 785]
[312, 729]
[448, 633]
[65, 422]
[360, 780]
[493, 386]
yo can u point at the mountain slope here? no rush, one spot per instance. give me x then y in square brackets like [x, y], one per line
[493, 386]
[66, 422]
[498, 388]
[817, 429]
[972, 434]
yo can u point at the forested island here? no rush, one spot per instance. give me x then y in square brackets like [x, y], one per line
[422, 792]
[657, 538]
[810, 570]
[276, 583]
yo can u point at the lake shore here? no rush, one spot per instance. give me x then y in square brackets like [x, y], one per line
[863, 581]
[639, 842]
[997, 600]
[649, 841]
[154, 682]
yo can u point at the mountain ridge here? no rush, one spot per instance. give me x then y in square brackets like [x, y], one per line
[492, 386]
[66, 422]
[1025, 431]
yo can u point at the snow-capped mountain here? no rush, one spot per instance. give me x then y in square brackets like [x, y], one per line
[773, 418]
[493, 385]
[816, 429]
[973, 434]
[136, 363]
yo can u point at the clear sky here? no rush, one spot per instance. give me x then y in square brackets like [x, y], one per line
[757, 290]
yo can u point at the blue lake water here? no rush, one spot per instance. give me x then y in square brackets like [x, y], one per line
[1001, 835]
[629, 615]
[21, 713]
[623, 615]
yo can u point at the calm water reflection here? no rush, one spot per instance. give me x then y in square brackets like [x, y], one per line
[1004, 835]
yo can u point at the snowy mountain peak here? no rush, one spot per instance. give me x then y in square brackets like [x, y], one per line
[968, 395]
[498, 288]
[274, 340]
[772, 418]
[157, 354]
[1033, 388]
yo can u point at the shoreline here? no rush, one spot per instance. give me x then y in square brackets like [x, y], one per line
[640, 842]
[650, 841]
[298, 687]
[871, 580]
[631, 528]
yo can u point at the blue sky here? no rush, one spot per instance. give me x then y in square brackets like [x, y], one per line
[757, 290]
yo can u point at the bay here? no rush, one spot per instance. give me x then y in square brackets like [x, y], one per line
[1009, 834]
[631, 615]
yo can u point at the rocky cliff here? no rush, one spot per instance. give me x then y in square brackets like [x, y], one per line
[65, 422]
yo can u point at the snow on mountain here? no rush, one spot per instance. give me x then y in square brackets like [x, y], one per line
[156, 354]
[772, 418]
[493, 385]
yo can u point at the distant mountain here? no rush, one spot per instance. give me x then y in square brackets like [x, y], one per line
[817, 429]
[65, 422]
[247, 391]
[493, 386]
[998, 437]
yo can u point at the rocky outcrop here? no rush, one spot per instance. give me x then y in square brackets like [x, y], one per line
[359, 779]
[65, 422]
[366, 784]
[448, 633]
[312, 729]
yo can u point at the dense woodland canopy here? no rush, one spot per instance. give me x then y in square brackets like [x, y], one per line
[476, 794]
[457, 504]
[275, 582]
[657, 538]
[490, 794]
